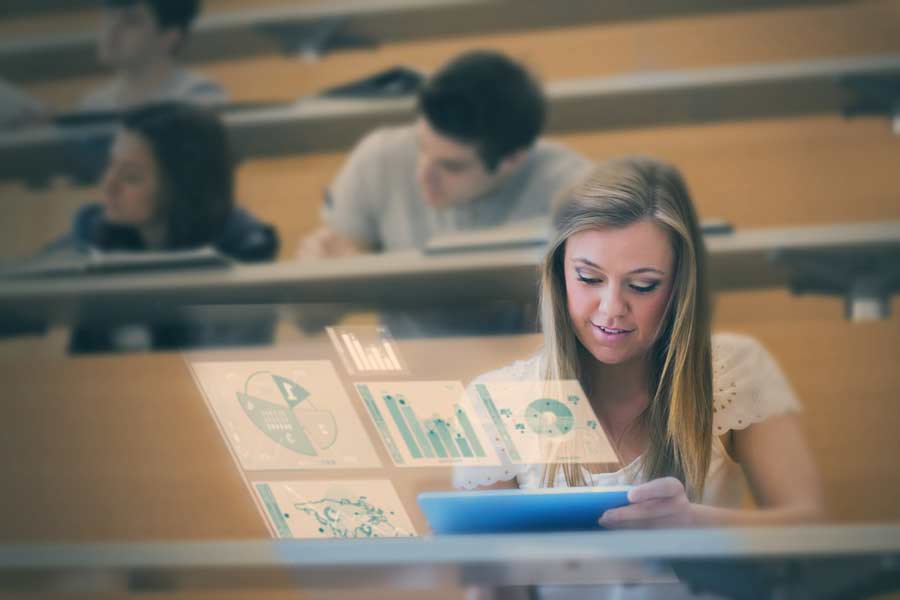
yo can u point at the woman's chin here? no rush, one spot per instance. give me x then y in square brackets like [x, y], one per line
[610, 356]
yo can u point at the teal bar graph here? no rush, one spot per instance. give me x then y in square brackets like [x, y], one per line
[380, 424]
[466, 425]
[426, 446]
[275, 513]
[435, 439]
[447, 435]
[444, 433]
[463, 446]
[498, 421]
[391, 403]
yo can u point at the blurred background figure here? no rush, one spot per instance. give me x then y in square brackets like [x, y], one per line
[169, 185]
[471, 160]
[141, 41]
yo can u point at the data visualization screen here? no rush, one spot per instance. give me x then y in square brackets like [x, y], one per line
[366, 350]
[286, 414]
[367, 508]
[426, 423]
[543, 422]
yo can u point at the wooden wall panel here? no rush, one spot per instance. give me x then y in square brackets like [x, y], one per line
[32, 218]
[766, 173]
[846, 377]
[772, 173]
[288, 192]
[855, 28]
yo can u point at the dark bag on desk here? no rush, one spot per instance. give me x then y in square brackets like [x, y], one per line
[394, 82]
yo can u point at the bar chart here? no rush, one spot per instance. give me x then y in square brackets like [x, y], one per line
[366, 350]
[426, 423]
[541, 422]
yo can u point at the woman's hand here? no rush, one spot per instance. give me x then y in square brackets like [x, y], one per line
[658, 503]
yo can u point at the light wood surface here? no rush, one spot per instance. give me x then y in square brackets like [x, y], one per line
[746, 37]
[122, 447]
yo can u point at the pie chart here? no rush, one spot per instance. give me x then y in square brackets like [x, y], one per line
[547, 416]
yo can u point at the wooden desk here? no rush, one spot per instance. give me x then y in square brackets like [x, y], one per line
[224, 34]
[737, 261]
[123, 447]
[786, 562]
[593, 104]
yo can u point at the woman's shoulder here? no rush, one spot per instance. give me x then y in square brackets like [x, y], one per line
[80, 234]
[748, 384]
[86, 219]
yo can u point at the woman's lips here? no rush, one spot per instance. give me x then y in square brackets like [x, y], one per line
[611, 334]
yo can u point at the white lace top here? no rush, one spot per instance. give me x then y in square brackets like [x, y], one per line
[748, 387]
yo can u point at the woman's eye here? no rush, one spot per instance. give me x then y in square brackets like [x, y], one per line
[588, 280]
[644, 289]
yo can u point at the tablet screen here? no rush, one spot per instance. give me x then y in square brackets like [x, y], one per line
[504, 511]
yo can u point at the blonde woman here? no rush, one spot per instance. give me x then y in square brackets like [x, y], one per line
[693, 417]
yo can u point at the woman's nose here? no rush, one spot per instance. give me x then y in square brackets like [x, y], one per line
[612, 301]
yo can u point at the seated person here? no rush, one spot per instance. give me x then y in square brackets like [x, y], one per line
[471, 160]
[169, 185]
[693, 417]
[141, 40]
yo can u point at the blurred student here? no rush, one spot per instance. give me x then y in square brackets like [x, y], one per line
[141, 41]
[169, 185]
[695, 418]
[472, 159]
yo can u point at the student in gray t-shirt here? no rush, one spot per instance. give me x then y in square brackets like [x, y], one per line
[141, 40]
[471, 160]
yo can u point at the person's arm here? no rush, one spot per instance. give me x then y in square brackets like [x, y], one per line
[779, 468]
[350, 205]
[326, 242]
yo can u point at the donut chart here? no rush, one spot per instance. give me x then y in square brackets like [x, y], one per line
[546, 416]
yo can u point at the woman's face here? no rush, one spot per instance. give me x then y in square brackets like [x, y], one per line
[131, 184]
[618, 283]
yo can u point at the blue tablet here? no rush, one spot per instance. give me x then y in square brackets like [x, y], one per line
[504, 511]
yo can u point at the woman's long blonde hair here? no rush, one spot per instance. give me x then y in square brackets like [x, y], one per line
[680, 414]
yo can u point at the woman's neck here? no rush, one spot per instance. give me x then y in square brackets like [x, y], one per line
[619, 395]
[612, 385]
